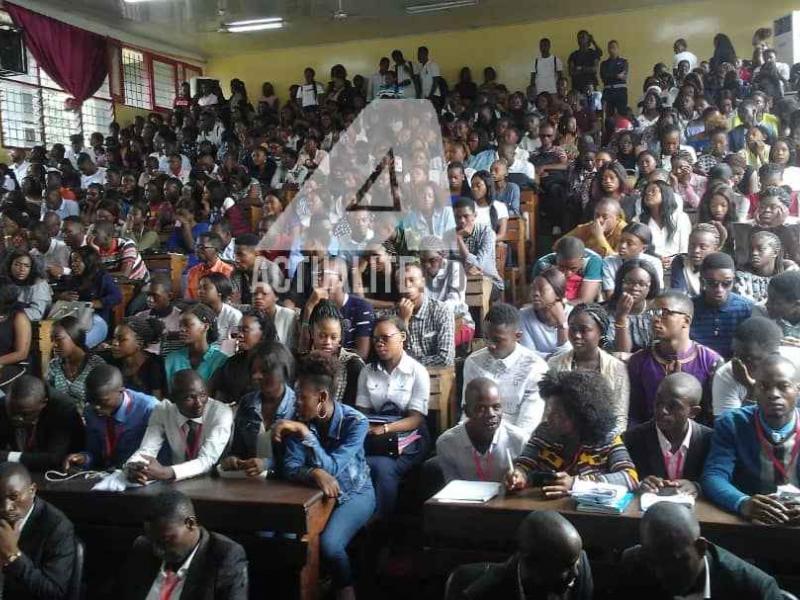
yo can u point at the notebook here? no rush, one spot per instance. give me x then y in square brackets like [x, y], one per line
[648, 499]
[472, 492]
[600, 497]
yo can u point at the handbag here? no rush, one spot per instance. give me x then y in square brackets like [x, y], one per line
[82, 311]
[390, 444]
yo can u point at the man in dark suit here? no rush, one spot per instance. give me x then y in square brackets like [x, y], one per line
[550, 563]
[36, 431]
[674, 560]
[179, 559]
[37, 542]
[670, 449]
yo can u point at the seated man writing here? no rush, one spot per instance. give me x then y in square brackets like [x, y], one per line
[477, 449]
[116, 419]
[582, 267]
[754, 449]
[37, 542]
[670, 449]
[550, 563]
[196, 429]
[36, 431]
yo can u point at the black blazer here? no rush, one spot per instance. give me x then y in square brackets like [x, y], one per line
[44, 570]
[642, 444]
[493, 581]
[59, 432]
[218, 570]
[730, 577]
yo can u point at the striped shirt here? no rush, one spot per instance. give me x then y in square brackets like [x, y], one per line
[431, 330]
[609, 462]
[122, 250]
[713, 326]
[481, 246]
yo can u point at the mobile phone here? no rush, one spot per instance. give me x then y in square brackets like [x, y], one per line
[540, 478]
[668, 491]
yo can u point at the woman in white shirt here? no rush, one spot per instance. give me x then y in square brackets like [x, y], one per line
[783, 153]
[668, 224]
[488, 211]
[393, 391]
[214, 290]
[265, 301]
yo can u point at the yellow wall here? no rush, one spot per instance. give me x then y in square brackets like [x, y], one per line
[646, 37]
[124, 115]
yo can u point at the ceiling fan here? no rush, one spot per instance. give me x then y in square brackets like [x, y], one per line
[341, 15]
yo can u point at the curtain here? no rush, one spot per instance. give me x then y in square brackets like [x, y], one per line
[74, 58]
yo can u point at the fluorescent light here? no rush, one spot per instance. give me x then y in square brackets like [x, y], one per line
[253, 27]
[418, 9]
[137, 1]
[254, 21]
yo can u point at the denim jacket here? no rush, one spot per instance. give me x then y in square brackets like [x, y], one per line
[340, 452]
[247, 423]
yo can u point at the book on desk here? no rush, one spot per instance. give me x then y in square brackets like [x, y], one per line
[469, 492]
[600, 497]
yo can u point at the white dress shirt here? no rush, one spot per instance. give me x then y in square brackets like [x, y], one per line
[427, 74]
[183, 571]
[679, 244]
[227, 319]
[57, 254]
[674, 462]
[20, 170]
[167, 424]
[98, 177]
[706, 593]
[459, 459]
[408, 386]
[285, 320]
[517, 377]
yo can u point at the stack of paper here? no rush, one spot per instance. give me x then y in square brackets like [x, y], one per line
[473, 492]
[600, 497]
[648, 499]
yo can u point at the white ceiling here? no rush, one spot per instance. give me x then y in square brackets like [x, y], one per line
[191, 25]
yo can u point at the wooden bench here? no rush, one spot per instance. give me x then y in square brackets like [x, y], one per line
[529, 207]
[516, 275]
[479, 291]
[256, 212]
[42, 349]
[128, 289]
[443, 395]
[171, 263]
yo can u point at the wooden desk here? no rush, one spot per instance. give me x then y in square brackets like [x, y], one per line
[443, 397]
[493, 526]
[172, 264]
[229, 506]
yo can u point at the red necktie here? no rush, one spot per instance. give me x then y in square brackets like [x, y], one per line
[168, 585]
[111, 436]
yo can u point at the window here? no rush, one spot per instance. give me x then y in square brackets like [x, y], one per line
[164, 83]
[136, 79]
[32, 110]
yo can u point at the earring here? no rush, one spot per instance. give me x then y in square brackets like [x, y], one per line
[324, 414]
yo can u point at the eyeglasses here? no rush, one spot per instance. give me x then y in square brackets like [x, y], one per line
[384, 339]
[661, 313]
[713, 283]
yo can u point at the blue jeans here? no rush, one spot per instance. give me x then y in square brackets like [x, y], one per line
[98, 333]
[345, 521]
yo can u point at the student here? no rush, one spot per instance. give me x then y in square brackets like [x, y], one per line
[330, 283]
[636, 285]
[214, 290]
[582, 267]
[209, 246]
[682, 53]
[603, 234]
[717, 310]
[429, 322]
[783, 304]
[544, 321]
[178, 558]
[507, 192]
[199, 332]
[396, 388]
[549, 563]
[51, 252]
[158, 294]
[475, 244]
[35, 430]
[488, 210]
[614, 73]
[670, 449]
[24, 273]
[193, 426]
[672, 351]
[477, 449]
[37, 541]
[685, 269]
[576, 440]
[751, 450]
[325, 449]
[584, 61]
[634, 243]
[116, 420]
[586, 324]
[669, 225]
[252, 449]
[766, 260]
[515, 369]
[72, 363]
[142, 371]
[674, 561]
[546, 70]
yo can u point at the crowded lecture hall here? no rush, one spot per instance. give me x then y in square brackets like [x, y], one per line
[325, 300]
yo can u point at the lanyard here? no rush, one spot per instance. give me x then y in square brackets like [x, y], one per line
[115, 430]
[770, 451]
[482, 475]
[191, 452]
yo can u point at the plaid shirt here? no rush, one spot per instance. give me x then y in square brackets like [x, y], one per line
[430, 334]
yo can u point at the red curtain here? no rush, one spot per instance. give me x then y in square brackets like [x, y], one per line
[74, 58]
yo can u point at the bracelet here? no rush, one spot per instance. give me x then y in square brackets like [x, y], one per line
[620, 325]
[12, 558]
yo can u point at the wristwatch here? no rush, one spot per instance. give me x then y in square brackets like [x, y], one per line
[12, 558]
